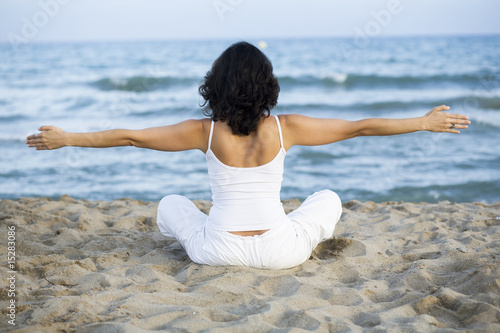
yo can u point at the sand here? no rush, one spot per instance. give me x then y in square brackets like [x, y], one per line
[96, 266]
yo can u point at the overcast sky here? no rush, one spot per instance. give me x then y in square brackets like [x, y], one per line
[82, 20]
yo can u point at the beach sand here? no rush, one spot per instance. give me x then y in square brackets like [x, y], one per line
[96, 266]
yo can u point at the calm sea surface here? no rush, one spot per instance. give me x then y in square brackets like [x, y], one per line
[98, 86]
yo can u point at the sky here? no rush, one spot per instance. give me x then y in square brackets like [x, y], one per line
[24, 21]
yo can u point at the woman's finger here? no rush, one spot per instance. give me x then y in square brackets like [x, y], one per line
[35, 136]
[441, 108]
[458, 116]
[454, 128]
[45, 128]
[36, 141]
[458, 121]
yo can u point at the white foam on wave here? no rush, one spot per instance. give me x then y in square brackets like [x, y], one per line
[485, 117]
[337, 77]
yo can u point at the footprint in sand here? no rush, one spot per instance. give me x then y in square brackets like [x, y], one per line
[339, 246]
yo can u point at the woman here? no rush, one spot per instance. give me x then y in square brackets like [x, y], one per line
[245, 149]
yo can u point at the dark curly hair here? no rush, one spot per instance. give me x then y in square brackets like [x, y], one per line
[240, 88]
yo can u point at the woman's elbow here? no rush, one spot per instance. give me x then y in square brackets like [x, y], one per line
[358, 128]
[133, 138]
[133, 144]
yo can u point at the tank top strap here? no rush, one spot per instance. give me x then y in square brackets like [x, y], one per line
[279, 130]
[210, 136]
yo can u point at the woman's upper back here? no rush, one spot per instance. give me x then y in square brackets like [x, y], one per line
[258, 148]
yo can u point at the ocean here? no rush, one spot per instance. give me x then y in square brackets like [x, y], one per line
[96, 86]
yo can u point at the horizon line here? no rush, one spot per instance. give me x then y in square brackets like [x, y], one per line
[222, 39]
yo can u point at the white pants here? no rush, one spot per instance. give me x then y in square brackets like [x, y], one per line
[283, 247]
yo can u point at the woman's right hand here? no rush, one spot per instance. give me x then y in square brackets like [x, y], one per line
[51, 137]
[438, 121]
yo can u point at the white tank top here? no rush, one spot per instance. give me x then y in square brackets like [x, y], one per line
[246, 198]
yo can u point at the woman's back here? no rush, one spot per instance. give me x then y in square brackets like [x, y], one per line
[245, 185]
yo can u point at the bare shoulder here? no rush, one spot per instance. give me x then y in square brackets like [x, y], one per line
[198, 127]
[206, 123]
[288, 123]
[202, 122]
[291, 121]
[297, 121]
[201, 130]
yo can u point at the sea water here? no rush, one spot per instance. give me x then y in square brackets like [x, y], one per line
[97, 86]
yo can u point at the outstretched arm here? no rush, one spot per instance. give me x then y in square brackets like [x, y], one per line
[189, 134]
[306, 131]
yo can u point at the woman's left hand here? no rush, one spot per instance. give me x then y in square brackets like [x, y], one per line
[51, 138]
[438, 121]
